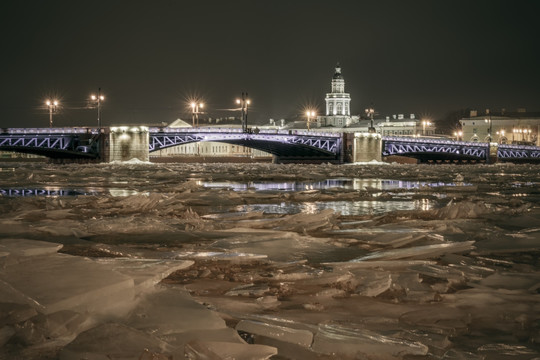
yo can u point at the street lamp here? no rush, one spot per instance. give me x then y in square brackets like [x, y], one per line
[488, 120]
[369, 113]
[310, 114]
[501, 134]
[424, 124]
[195, 106]
[244, 102]
[98, 99]
[53, 107]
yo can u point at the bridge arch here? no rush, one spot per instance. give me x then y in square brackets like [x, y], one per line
[281, 144]
[435, 149]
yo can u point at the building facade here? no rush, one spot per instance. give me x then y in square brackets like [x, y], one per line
[516, 128]
[338, 104]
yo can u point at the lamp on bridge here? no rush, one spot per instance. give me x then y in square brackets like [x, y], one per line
[310, 115]
[424, 124]
[370, 112]
[53, 107]
[501, 134]
[488, 120]
[458, 135]
[195, 106]
[98, 99]
[244, 102]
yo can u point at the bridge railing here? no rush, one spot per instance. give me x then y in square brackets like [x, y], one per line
[167, 130]
[45, 131]
[433, 141]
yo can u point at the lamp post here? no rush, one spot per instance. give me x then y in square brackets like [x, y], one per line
[369, 112]
[488, 120]
[424, 124]
[195, 106]
[501, 134]
[310, 114]
[244, 102]
[98, 99]
[53, 106]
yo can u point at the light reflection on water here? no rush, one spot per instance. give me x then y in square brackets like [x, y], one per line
[347, 184]
[56, 191]
[344, 207]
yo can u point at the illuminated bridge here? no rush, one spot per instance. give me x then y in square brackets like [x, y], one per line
[426, 149]
[64, 143]
[125, 143]
[284, 144]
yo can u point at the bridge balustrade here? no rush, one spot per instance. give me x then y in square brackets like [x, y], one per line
[430, 148]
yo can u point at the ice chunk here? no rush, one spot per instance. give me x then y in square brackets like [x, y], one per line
[61, 327]
[348, 340]
[214, 350]
[448, 319]
[170, 310]
[508, 350]
[146, 273]
[6, 332]
[249, 290]
[462, 210]
[13, 313]
[513, 281]
[115, 341]
[374, 283]
[454, 354]
[268, 302]
[23, 247]
[420, 252]
[281, 333]
[87, 286]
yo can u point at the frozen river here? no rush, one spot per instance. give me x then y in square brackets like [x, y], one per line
[378, 261]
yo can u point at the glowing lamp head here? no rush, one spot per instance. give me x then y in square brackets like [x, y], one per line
[201, 105]
[55, 103]
[238, 101]
[93, 97]
[48, 102]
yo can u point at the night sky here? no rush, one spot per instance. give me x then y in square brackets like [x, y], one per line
[149, 57]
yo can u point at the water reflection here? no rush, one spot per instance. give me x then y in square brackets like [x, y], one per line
[43, 192]
[347, 184]
[56, 191]
[344, 207]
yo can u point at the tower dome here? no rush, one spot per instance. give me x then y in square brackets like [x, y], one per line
[337, 73]
[338, 101]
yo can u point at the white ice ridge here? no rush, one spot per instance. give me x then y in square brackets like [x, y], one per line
[112, 308]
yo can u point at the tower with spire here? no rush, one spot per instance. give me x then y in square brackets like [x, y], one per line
[338, 109]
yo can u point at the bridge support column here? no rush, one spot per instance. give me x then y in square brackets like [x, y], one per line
[127, 143]
[367, 147]
[492, 156]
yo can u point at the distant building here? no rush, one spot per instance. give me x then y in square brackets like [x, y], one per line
[506, 128]
[395, 125]
[338, 104]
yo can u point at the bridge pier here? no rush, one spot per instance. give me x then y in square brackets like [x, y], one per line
[492, 155]
[366, 147]
[124, 143]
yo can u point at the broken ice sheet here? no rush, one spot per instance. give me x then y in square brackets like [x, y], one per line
[419, 252]
[351, 340]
